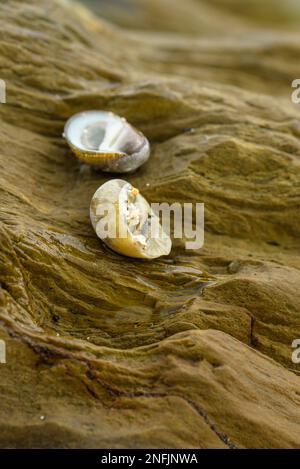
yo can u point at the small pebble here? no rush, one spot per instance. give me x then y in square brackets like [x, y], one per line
[234, 267]
[42, 417]
[273, 242]
[189, 130]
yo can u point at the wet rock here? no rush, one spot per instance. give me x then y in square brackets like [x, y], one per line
[186, 369]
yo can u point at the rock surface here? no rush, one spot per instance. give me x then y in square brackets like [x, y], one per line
[190, 351]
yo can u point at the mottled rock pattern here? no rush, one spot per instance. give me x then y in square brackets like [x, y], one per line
[189, 351]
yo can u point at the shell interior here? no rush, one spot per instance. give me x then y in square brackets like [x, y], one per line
[134, 220]
[102, 132]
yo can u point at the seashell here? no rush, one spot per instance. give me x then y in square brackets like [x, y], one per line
[106, 141]
[124, 220]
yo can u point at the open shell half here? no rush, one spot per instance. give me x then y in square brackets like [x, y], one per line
[124, 220]
[107, 141]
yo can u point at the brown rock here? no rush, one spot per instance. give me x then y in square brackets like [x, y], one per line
[104, 351]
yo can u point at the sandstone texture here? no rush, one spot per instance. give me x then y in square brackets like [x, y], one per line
[189, 351]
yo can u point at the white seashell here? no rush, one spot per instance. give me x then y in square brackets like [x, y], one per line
[107, 141]
[124, 220]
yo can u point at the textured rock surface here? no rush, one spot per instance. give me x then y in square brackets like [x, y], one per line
[190, 351]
